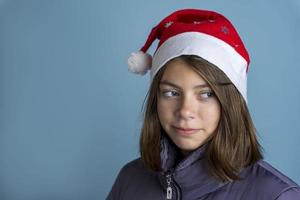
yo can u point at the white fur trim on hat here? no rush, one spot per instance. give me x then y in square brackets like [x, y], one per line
[208, 47]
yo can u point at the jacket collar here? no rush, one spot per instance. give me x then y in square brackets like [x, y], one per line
[171, 159]
[190, 173]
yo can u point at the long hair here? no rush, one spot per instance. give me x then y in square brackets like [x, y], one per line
[234, 144]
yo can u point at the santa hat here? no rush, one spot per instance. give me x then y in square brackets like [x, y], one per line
[203, 33]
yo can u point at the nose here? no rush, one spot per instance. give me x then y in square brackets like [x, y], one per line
[186, 109]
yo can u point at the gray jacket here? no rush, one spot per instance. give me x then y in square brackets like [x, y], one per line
[189, 180]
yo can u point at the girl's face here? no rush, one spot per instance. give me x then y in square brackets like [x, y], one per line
[187, 108]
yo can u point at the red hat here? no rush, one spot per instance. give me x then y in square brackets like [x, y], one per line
[196, 32]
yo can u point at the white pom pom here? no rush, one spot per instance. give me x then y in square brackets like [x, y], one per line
[139, 63]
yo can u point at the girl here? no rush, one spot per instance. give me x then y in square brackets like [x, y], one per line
[198, 140]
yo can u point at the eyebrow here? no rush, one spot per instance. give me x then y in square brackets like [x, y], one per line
[178, 87]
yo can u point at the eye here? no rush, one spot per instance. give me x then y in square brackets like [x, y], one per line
[170, 93]
[206, 94]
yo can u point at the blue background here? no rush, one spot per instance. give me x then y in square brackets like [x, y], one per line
[70, 112]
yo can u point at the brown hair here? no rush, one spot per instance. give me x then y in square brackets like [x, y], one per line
[234, 144]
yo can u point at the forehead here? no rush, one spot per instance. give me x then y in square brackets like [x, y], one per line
[182, 74]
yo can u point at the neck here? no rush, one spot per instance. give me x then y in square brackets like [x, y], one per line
[185, 153]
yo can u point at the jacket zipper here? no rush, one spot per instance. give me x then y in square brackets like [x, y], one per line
[172, 187]
[169, 187]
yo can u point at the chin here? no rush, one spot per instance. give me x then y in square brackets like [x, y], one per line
[184, 146]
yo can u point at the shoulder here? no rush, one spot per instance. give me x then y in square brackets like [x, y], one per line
[131, 170]
[290, 194]
[133, 181]
[132, 166]
[136, 172]
[123, 179]
[267, 172]
[270, 181]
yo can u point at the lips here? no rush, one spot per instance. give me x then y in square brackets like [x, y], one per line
[185, 131]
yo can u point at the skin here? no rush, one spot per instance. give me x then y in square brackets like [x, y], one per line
[187, 108]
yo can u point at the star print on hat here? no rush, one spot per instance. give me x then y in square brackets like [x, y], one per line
[203, 33]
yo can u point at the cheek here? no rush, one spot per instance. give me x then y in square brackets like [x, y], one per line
[212, 117]
[161, 110]
[164, 110]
